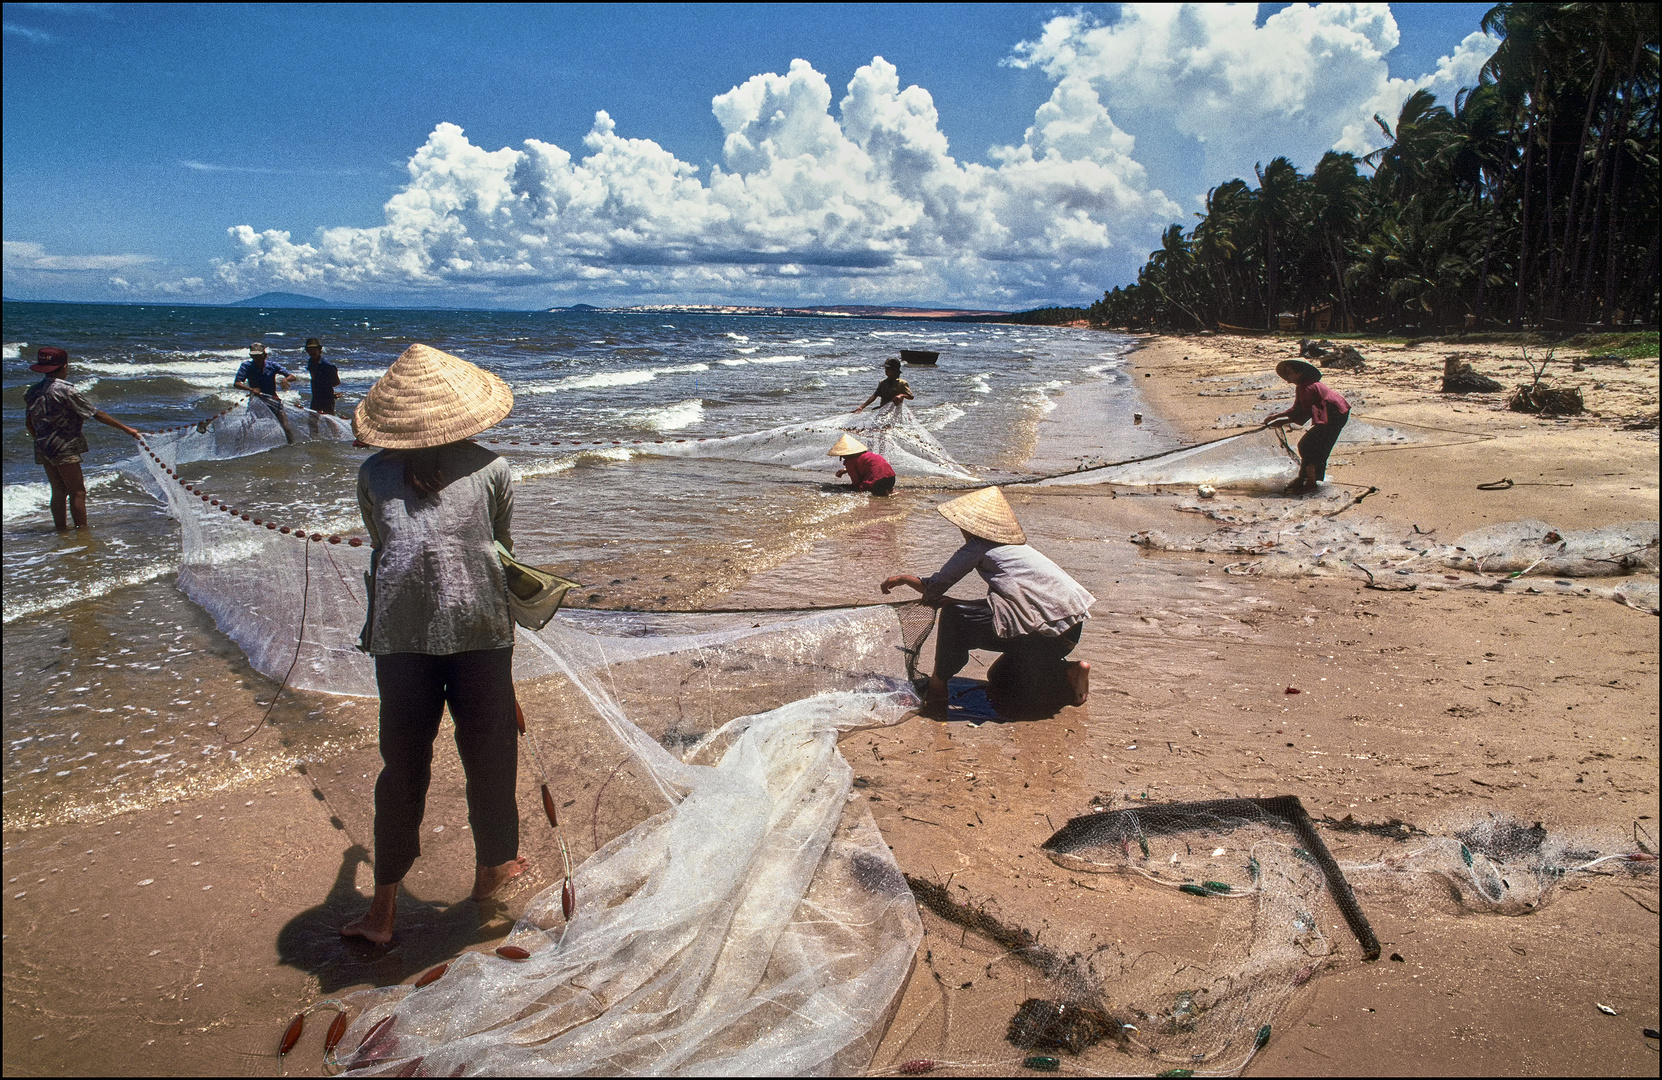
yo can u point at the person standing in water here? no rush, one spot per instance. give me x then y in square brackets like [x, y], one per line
[893, 388]
[1033, 610]
[866, 471]
[261, 379]
[1327, 410]
[439, 626]
[54, 413]
[324, 375]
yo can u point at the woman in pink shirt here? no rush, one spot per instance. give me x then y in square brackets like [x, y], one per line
[1324, 407]
[865, 470]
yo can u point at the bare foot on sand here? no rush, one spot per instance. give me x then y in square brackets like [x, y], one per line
[1079, 680]
[376, 924]
[488, 879]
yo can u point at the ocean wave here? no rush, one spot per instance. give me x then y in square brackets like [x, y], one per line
[777, 359]
[13, 350]
[628, 377]
[979, 383]
[737, 337]
[672, 417]
[32, 498]
[553, 466]
[76, 592]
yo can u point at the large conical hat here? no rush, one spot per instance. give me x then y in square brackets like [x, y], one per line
[1298, 371]
[429, 398]
[847, 445]
[985, 513]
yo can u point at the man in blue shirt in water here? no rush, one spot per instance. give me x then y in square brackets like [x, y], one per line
[260, 379]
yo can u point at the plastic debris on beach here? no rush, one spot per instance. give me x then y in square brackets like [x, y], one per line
[738, 914]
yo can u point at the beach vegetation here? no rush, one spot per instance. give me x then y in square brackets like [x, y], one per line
[1529, 204]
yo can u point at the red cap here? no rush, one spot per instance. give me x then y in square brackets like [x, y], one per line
[50, 358]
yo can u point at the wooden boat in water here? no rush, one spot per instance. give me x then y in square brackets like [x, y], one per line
[919, 356]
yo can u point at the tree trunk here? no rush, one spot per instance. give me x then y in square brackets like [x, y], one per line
[1570, 255]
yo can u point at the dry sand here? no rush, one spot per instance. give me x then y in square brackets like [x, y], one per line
[180, 940]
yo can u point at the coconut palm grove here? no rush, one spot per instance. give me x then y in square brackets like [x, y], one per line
[1528, 201]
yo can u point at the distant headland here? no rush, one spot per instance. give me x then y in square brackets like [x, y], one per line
[289, 300]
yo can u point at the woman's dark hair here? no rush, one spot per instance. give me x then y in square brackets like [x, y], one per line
[422, 470]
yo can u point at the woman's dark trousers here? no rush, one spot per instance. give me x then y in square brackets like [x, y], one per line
[415, 688]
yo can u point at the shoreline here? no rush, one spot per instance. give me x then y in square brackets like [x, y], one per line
[1418, 707]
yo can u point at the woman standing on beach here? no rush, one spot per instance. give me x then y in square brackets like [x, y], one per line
[439, 626]
[1327, 410]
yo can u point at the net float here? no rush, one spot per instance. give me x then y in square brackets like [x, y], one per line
[292, 1035]
[412, 1068]
[356, 541]
[548, 807]
[568, 899]
[370, 1036]
[336, 1030]
[916, 1067]
[432, 976]
[513, 952]
[519, 718]
[284, 529]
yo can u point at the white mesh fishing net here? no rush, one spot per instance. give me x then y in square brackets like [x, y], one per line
[894, 432]
[737, 918]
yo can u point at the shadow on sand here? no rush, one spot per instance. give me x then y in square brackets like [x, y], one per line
[427, 933]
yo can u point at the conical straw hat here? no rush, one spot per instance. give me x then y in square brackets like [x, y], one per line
[985, 513]
[847, 445]
[429, 398]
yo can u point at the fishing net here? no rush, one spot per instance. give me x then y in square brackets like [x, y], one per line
[1252, 459]
[895, 432]
[734, 915]
[1223, 909]
[1310, 537]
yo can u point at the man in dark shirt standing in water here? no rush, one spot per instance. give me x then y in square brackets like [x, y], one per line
[54, 412]
[325, 377]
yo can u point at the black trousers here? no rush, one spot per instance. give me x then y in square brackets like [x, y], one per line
[1317, 445]
[968, 624]
[415, 688]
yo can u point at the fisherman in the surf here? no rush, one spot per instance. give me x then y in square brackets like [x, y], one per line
[260, 377]
[325, 377]
[1327, 410]
[866, 471]
[436, 505]
[1033, 613]
[893, 388]
[54, 413]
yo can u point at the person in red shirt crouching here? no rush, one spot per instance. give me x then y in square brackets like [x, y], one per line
[865, 470]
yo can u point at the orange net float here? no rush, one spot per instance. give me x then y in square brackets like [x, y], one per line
[317, 538]
[433, 975]
[334, 539]
[284, 529]
[513, 952]
[519, 719]
[245, 517]
[548, 807]
[356, 541]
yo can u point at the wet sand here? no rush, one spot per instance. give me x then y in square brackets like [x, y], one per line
[181, 939]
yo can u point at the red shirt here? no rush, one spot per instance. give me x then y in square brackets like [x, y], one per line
[866, 469]
[1318, 402]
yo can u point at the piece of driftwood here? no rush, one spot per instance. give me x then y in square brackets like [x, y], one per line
[1460, 377]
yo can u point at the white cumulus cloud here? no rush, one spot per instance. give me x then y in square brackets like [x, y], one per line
[1209, 92]
[866, 202]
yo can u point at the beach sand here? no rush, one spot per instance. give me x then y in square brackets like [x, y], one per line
[182, 939]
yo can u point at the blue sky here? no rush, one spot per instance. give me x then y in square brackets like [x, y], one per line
[995, 156]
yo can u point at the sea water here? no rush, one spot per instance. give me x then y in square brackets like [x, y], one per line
[119, 692]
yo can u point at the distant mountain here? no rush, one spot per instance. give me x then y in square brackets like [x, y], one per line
[289, 300]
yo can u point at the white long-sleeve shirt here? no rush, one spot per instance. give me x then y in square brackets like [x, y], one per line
[1029, 594]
